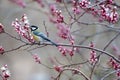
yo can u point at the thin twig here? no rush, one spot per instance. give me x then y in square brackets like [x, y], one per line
[76, 20]
[46, 29]
[108, 74]
[103, 24]
[89, 36]
[67, 9]
[15, 48]
[72, 69]
[75, 64]
[14, 37]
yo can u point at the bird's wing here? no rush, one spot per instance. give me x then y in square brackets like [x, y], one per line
[42, 35]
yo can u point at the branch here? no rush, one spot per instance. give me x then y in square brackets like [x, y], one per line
[75, 64]
[82, 46]
[46, 29]
[14, 37]
[15, 48]
[73, 69]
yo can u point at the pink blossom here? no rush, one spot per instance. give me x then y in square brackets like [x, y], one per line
[91, 45]
[58, 68]
[62, 50]
[19, 2]
[76, 10]
[36, 58]
[5, 73]
[93, 57]
[79, 4]
[1, 28]
[118, 73]
[56, 14]
[63, 31]
[1, 50]
[59, 16]
[115, 66]
[76, 7]
[72, 41]
[71, 51]
[53, 9]
[108, 13]
[84, 3]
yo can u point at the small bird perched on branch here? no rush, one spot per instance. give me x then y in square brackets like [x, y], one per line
[39, 36]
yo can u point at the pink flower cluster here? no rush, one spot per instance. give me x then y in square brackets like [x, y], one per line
[58, 68]
[108, 13]
[105, 10]
[1, 50]
[63, 31]
[5, 73]
[1, 28]
[22, 28]
[36, 58]
[76, 7]
[64, 51]
[79, 4]
[84, 3]
[93, 58]
[57, 17]
[115, 66]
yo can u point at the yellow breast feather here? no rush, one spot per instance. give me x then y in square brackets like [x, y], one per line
[36, 38]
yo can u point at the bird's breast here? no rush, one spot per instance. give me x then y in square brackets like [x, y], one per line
[36, 38]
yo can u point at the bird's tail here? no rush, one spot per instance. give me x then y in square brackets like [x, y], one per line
[54, 43]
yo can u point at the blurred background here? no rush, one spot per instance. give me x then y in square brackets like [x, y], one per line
[20, 62]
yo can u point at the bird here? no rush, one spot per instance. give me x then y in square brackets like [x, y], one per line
[40, 36]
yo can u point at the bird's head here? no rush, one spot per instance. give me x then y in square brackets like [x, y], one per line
[33, 28]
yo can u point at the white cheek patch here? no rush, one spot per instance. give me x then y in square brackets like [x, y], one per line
[33, 28]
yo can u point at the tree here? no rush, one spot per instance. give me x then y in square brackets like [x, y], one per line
[85, 31]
